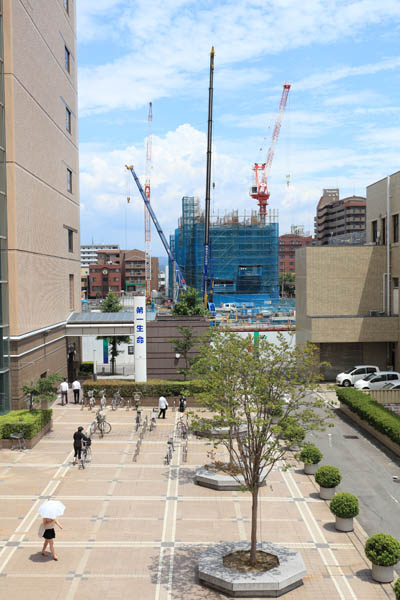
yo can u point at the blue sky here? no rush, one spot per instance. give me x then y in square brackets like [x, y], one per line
[341, 128]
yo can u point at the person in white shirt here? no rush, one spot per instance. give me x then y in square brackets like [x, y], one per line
[76, 386]
[64, 392]
[162, 405]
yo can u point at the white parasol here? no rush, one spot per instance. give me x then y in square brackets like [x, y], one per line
[51, 509]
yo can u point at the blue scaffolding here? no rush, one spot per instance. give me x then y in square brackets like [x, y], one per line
[244, 254]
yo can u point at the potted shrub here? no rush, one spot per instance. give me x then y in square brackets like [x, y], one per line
[397, 588]
[383, 550]
[345, 507]
[310, 456]
[328, 478]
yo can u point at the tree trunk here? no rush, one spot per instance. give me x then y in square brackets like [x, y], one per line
[254, 510]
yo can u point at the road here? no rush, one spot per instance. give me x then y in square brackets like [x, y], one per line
[367, 468]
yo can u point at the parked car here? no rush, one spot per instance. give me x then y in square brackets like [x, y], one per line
[354, 374]
[391, 385]
[376, 381]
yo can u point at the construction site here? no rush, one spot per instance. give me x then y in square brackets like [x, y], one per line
[244, 254]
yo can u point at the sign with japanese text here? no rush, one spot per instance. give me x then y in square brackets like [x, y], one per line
[139, 308]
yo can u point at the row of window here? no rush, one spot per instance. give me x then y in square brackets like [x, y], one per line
[381, 236]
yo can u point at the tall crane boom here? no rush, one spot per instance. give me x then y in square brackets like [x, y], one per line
[259, 190]
[147, 222]
[179, 274]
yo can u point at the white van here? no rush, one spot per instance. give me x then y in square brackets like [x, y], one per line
[376, 381]
[354, 374]
[227, 307]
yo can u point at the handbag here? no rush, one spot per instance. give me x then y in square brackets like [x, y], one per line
[41, 530]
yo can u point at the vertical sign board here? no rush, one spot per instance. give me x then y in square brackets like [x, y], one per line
[139, 308]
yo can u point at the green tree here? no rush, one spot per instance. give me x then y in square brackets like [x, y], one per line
[45, 388]
[189, 303]
[183, 345]
[245, 388]
[287, 284]
[112, 304]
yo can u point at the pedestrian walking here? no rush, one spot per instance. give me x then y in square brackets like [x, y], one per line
[76, 387]
[182, 403]
[78, 437]
[50, 510]
[162, 405]
[64, 391]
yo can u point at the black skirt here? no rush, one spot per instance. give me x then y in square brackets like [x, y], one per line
[49, 534]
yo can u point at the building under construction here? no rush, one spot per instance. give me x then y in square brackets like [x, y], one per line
[244, 253]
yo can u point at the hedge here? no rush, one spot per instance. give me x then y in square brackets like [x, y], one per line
[152, 388]
[28, 422]
[379, 417]
[86, 368]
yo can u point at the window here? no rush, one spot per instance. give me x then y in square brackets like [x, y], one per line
[71, 292]
[67, 58]
[395, 228]
[66, 6]
[383, 230]
[395, 282]
[70, 240]
[68, 125]
[69, 180]
[374, 225]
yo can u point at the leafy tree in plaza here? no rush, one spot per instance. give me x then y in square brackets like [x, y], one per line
[183, 345]
[189, 303]
[112, 304]
[287, 284]
[45, 388]
[245, 388]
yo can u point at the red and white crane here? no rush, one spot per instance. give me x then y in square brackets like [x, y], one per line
[147, 220]
[259, 190]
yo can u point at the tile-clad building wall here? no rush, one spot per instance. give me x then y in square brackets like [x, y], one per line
[43, 180]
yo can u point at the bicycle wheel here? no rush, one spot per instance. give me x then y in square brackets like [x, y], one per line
[88, 454]
[106, 427]
[93, 428]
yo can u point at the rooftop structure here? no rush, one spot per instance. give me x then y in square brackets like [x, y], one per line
[244, 252]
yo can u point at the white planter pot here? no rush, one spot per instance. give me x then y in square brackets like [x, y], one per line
[344, 524]
[382, 574]
[310, 469]
[326, 493]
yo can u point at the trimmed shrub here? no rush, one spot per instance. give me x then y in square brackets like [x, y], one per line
[152, 388]
[86, 368]
[379, 417]
[382, 549]
[396, 588]
[28, 422]
[328, 476]
[344, 505]
[310, 455]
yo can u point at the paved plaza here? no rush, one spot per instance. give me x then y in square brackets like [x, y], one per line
[134, 530]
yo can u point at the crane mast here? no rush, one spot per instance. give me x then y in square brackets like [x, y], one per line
[147, 191]
[259, 190]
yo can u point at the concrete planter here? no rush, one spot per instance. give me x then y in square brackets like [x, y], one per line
[238, 584]
[218, 481]
[326, 493]
[344, 524]
[382, 574]
[310, 469]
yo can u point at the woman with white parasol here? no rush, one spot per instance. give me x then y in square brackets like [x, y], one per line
[50, 510]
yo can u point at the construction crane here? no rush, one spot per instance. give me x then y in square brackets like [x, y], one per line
[147, 221]
[177, 273]
[259, 190]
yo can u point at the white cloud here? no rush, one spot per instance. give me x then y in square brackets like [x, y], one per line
[168, 43]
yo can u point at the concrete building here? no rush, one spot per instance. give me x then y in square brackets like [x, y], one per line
[104, 278]
[89, 252]
[348, 297]
[39, 132]
[133, 271]
[288, 244]
[339, 221]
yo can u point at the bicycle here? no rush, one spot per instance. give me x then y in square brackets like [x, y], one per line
[103, 400]
[101, 424]
[86, 453]
[18, 441]
[153, 420]
[181, 429]
[116, 400]
[92, 401]
[138, 419]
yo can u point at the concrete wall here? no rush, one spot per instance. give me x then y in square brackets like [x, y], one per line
[161, 361]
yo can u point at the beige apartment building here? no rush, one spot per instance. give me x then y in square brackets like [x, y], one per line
[42, 186]
[348, 296]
